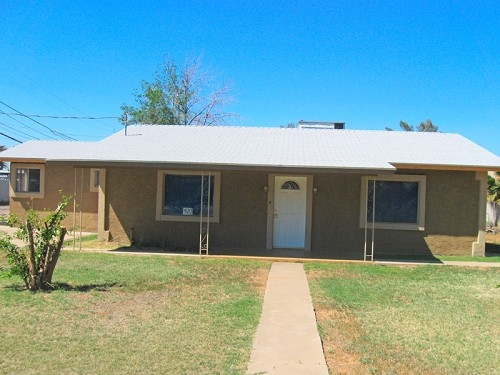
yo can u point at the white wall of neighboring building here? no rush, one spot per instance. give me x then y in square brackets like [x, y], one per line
[492, 214]
[4, 187]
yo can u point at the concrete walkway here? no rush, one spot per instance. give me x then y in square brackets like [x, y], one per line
[287, 339]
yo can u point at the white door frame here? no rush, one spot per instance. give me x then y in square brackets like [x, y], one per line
[270, 208]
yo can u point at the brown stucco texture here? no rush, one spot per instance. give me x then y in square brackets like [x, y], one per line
[451, 216]
[242, 212]
[68, 181]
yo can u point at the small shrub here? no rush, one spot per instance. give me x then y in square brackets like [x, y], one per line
[35, 263]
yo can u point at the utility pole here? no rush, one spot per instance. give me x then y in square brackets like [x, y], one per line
[126, 122]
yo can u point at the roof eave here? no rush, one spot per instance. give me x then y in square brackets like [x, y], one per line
[447, 167]
[86, 163]
[23, 160]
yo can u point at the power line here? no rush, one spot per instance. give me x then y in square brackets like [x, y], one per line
[8, 136]
[29, 127]
[65, 117]
[19, 132]
[55, 132]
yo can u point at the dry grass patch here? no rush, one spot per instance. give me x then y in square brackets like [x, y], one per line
[134, 314]
[412, 320]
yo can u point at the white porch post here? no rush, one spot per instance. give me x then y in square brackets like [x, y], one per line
[102, 233]
[479, 247]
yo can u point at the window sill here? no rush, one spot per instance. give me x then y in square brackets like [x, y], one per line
[19, 195]
[394, 226]
[186, 219]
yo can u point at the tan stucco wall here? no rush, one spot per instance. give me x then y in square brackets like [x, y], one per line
[62, 178]
[242, 220]
[451, 217]
[335, 216]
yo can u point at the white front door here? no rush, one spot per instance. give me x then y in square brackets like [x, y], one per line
[289, 219]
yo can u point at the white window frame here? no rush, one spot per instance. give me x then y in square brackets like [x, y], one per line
[160, 194]
[419, 226]
[27, 194]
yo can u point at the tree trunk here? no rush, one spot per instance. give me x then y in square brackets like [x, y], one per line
[53, 260]
[34, 277]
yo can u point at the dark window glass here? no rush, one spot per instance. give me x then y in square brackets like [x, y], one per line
[96, 178]
[183, 195]
[395, 202]
[34, 176]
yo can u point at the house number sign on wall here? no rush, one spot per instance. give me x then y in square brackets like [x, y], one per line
[187, 211]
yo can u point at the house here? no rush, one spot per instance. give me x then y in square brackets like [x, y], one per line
[318, 193]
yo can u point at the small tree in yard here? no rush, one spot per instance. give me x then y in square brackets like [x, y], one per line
[35, 263]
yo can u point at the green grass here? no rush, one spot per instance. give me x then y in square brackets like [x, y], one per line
[85, 239]
[116, 313]
[409, 320]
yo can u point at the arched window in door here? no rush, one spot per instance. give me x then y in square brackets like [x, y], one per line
[290, 185]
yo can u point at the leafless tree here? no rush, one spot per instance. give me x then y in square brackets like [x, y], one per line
[186, 96]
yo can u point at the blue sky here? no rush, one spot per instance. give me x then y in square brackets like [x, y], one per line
[367, 63]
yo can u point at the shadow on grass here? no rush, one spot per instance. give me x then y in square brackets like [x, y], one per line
[67, 287]
[492, 249]
[156, 250]
[83, 288]
[407, 258]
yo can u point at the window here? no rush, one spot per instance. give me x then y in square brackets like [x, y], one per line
[27, 181]
[94, 180]
[290, 185]
[184, 196]
[393, 202]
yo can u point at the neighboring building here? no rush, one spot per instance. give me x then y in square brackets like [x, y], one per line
[4, 187]
[320, 125]
[267, 191]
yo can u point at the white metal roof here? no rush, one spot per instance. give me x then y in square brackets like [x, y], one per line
[266, 147]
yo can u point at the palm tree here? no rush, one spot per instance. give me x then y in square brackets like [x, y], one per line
[494, 188]
[424, 126]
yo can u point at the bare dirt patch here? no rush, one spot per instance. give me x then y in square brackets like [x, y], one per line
[339, 330]
[259, 280]
[493, 237]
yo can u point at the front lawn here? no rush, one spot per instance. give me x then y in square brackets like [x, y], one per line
[408, 320]
[116, 313]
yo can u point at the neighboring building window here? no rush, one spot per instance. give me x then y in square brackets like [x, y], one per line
[184, 196]
[27, 181]
[393, 202]
[94, 180]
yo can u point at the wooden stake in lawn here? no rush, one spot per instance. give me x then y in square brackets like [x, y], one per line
[36, 262]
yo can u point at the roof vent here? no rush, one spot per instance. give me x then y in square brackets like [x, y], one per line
[320, 125]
